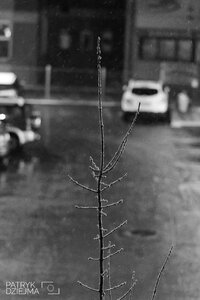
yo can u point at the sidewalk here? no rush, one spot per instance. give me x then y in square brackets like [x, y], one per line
[87, 96]
[75, 93]
[191, 119]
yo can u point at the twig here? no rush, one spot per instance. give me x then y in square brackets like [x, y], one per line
[129, 291]
[106, 257]
[114, 253]
[116, 228]
[114, 160]
[81, 185]
[86, 207]
[116, 286]
[94, 167]
[113, 204]
[110, 246]
[109, 270]
[133, 283]
[160, 273]
[114, 182]
[88, 287]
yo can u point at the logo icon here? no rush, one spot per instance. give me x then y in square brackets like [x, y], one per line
[50, 287]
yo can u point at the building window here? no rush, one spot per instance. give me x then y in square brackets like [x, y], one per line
[86, 40]
[65, 39]
[167, 49]
[149, 48]
[197, 51]
[107, 41]
[5, 40]
[185, 50]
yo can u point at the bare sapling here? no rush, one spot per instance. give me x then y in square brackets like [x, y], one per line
[100, 173]
[107, 249]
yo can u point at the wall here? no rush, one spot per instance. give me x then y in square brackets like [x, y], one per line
[83, 31]
[167, 23]
[23, 43]
[6, 5]
[168, 14]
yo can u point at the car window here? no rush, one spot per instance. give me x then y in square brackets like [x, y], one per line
[144, 91]
[6, 87]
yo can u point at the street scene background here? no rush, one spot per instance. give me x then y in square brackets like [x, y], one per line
[45, 241]
[43, 235]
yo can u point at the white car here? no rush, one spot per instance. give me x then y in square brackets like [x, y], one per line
[151, 95]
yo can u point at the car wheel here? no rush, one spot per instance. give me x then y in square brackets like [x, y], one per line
[14, 143]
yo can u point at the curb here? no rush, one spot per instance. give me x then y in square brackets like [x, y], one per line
[70, 101]
[188, 121]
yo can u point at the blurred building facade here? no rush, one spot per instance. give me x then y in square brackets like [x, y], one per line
[18, 34]
[168, 39]
[140, 38]
[34, 33]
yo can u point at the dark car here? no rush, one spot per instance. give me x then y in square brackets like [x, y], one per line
[22, 122]
[5, 138]
[10, 85]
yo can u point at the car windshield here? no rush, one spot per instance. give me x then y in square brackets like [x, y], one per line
[143, 91]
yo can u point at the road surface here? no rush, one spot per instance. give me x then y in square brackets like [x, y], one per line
[45, 240]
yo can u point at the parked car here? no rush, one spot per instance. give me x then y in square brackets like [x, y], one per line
[4, 140]
[22, 122]
[153, 97]
[10, 86]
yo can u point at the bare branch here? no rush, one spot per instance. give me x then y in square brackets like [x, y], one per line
[113, 162]
[114, 253]
[134, 281]
[105, 272]
[96, 237]
[102, 176]
[106, 257]
[115, 287]
[86, 207]
[99, 173]
[103, 229]
[114, 182]
[109, 270]
[110, 246]
[160, 273]
[103, 213]
[94, 258]
[94, 176]
[104, 183]
[94, 167]
[104, 200]
[116, 228]
[88, 287]
[81, 185]
[113, 204]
